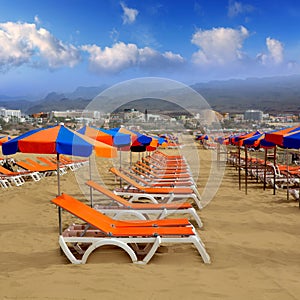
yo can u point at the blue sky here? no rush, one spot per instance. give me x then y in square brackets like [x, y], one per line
[59, 45]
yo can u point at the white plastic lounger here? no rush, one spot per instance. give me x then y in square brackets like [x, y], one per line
[139, 239]
[143, 211]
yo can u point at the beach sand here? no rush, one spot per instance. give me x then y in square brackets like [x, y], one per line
[253, 242]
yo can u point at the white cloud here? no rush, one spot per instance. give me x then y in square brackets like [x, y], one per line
[22, 43]
[37, 19]
[113, 59]
[129, 14]
[219, 46]
[274, 55]
[114, 35]
[236, 8]
[122, 56]
[275, 48]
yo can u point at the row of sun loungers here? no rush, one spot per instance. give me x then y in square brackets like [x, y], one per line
[275, 176]
[141, 237]
[35, 170]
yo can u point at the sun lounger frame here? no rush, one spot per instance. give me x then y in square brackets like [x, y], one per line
[133, 244]
[139, 210]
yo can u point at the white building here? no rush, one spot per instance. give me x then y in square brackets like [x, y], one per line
[156, 118]
[10, 114]
[255, 115]
[76, 114]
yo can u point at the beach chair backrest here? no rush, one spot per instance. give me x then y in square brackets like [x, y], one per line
[108, 193]
[126, 178]
[129, 174]
[84, 212]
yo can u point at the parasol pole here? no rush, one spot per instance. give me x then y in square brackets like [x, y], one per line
[299, 192]
[130, 158]
[90, 173]
[246, 170]
[287, 175]
[58, 175]
[274, 186]
[58, 194]
[239, 151]
[218, 154]
[265, 167]
[120, 167]
[256, 156]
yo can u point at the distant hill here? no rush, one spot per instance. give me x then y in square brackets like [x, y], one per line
[23, 105]
[86, 92]
[58, 104]
[272, 94]
[154, 106]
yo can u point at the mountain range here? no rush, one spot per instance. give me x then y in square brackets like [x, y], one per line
[271, 94]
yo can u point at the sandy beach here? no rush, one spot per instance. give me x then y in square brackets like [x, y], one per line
[253, 242]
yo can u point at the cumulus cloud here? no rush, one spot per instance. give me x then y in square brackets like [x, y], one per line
[129, 14]
[274, 55]
[113, 59]
[275, 48]
[24, 43]
[236, 8]
[122, 56]
[219, 46]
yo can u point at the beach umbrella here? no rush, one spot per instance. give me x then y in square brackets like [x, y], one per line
[284, 138]
[142, 143]
[259, 141]
[277, 136]
[122, 141]
[156, 142]
[57, 140]
[292, 140]
[201, 137]
[139, 141]
[160, 140]
[289, 140]
[223, 140]
[251, 140]
[238, 141]
[136, 136]
[108, 137]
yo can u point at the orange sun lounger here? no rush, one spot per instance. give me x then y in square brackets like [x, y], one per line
[156, 183]
[165, 167]
[161, 172]
[139, 239]
[166, 194]
[152, 177]
[48, 167]
[41, 169]
[141, 210]
[18, 177]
